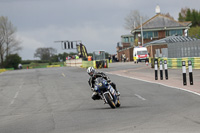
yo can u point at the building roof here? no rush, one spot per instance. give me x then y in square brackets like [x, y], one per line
[127, 35]
[172, 39]
[162, 21]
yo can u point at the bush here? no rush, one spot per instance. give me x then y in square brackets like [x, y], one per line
[12, 61]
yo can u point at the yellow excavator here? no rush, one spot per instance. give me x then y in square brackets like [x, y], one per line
[82, 51]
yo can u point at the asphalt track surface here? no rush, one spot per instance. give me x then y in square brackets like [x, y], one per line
[58, 100]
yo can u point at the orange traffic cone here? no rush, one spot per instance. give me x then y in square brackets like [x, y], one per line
[105, 66]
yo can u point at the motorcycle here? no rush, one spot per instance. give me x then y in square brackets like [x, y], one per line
[107, 92]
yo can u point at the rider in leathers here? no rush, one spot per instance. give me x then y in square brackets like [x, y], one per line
[93, 76]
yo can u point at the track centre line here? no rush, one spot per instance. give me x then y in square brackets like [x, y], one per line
[157, 83]
[16, 95]
[140, 97]
[63, 74]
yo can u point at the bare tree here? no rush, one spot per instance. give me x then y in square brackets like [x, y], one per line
[132, 20]
[8, 42]
[45, 53]
[182, 14]
[168, 15]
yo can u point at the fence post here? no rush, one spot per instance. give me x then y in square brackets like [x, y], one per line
[190, 72]
[166, 71]
[161, 70]
[184, 73]
[156, 69]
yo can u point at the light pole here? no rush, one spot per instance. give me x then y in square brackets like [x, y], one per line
[141, 30]
[139, 39]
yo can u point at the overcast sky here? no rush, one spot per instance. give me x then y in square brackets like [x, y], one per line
[97, 23]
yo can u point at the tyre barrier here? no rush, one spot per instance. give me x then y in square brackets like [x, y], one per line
[49, 66]
[2, 70]
[86, 64]
[176, 63]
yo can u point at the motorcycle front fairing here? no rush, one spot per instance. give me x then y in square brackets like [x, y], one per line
[106, 92]
[110, 90]
[101, 85]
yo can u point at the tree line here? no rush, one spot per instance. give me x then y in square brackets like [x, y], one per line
[193, 15]
[48, 54]
[188, 14]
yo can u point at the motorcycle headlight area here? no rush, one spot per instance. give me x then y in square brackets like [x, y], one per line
[95, 88]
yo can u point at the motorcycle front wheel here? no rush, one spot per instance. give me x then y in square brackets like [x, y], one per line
[110, 102]
[118, 103]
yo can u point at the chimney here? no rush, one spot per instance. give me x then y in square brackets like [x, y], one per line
[157, 10]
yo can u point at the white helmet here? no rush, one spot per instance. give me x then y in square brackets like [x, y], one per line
[90, 71]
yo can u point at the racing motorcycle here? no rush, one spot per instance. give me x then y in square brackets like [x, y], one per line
[106, 92]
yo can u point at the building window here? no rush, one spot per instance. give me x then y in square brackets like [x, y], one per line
[174, 32]
[155, 34]
[167, 33]
[131, 39]
[150, 34]
[126, 39]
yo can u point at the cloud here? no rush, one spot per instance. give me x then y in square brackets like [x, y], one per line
[29, 45]
[93, 37]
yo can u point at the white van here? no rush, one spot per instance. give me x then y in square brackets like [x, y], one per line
[140, 54]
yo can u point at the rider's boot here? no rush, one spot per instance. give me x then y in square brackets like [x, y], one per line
[95, 96]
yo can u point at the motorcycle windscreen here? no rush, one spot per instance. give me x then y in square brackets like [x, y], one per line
[101, 84]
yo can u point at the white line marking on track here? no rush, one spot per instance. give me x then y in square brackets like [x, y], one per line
[16, 94]
[140, 97]
[12, 101]
[63, 74]
[158, 83]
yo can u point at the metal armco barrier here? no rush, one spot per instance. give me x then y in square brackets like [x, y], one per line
[156, 69]
[190, 72]
[161, 70]
[184, 73]
[166, 70]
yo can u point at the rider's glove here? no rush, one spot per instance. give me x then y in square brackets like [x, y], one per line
[109, 81]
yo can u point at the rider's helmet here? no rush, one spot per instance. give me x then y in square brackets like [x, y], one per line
[90, 71]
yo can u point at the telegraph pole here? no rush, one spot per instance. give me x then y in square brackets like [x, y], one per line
[141, 30]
